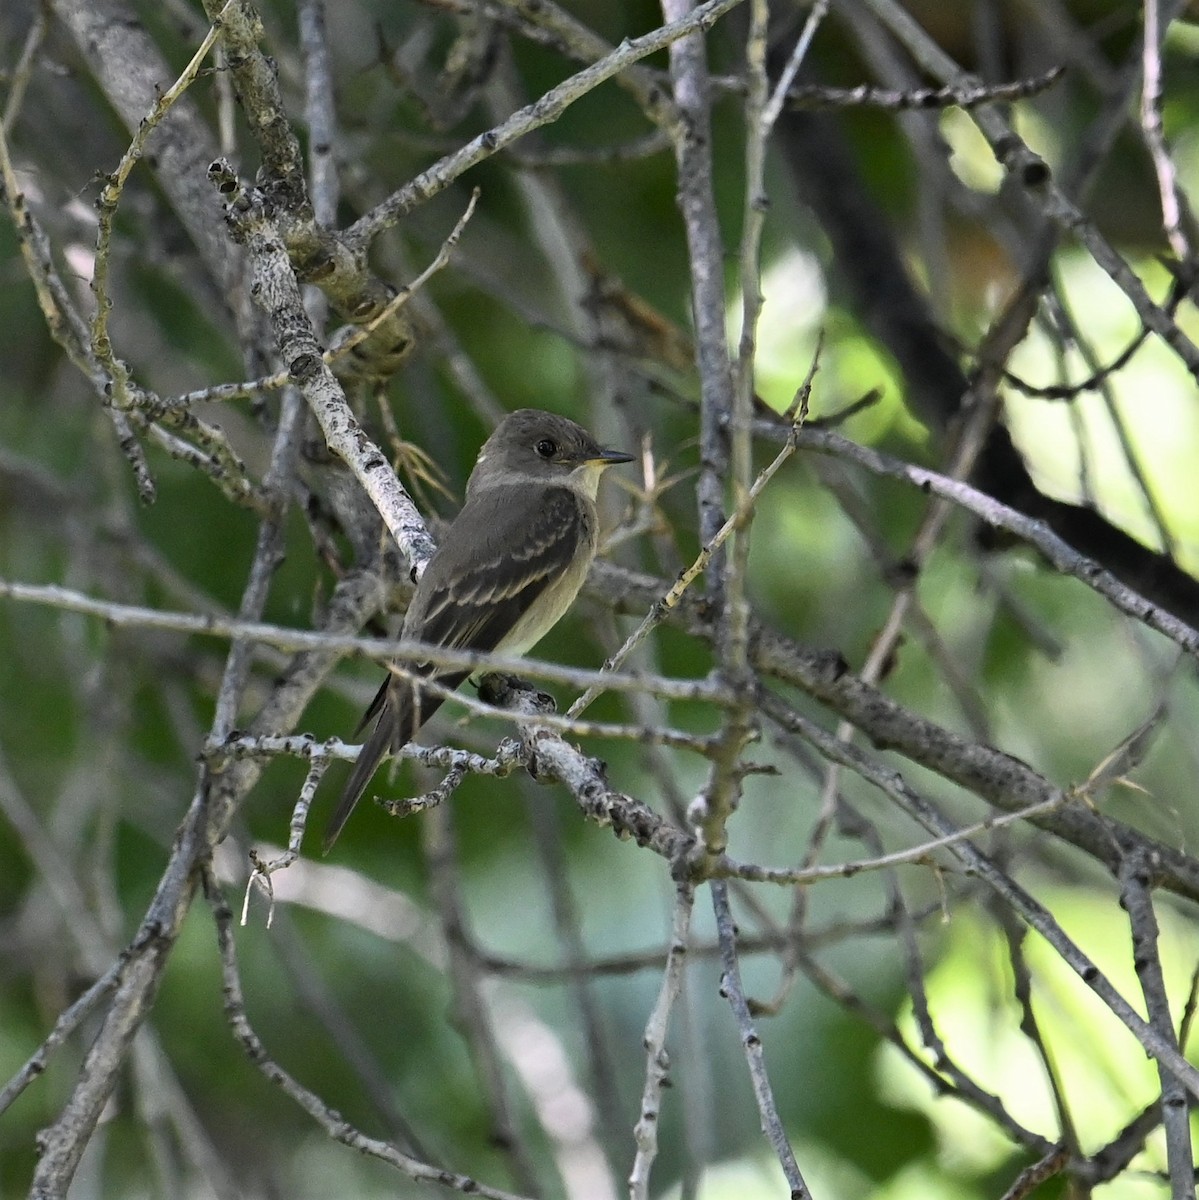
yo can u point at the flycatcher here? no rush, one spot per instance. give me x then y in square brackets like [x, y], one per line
[509, 566]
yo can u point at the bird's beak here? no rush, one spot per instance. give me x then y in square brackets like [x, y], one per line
[609, 458]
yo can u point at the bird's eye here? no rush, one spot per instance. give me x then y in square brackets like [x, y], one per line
[546, 448]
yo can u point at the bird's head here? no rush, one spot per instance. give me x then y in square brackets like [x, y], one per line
[540, 447]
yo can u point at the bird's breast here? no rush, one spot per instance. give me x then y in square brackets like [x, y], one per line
[551, 605]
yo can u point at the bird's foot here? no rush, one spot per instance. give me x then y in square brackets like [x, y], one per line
[510, 691]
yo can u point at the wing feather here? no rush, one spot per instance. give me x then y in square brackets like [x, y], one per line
[506, 548]
[478, 587]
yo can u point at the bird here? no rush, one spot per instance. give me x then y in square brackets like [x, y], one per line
[509, 566]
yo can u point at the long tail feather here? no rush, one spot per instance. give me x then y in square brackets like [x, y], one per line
[400, 712]
[382, 737]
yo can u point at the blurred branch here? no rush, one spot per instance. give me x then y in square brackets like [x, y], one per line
[814, 97]
[869, 263]
[66, 1024]
[1062, 557]
[657, 1064]
[1173, 201]
[1161, 1047]
[472, 1013]
[544, 110]
[1137, 900]
[1032, 174]
[142, 963]
[130, 71]
[1031, 1178]
[329, 1120]
[751, 1043]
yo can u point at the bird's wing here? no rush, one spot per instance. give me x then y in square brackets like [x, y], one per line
[476, 590]
[472, 594]
[467, 599]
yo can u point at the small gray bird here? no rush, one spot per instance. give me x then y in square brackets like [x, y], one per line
[508, 568]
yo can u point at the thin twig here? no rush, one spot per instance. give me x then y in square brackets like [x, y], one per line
[260, 876]
[657, 1062]
[751, 1043]
[1136, 897]
[328, 1119]
[544, 110]
[66, 1024]
[664, 606]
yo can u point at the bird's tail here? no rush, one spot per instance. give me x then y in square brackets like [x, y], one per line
[400, 708]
